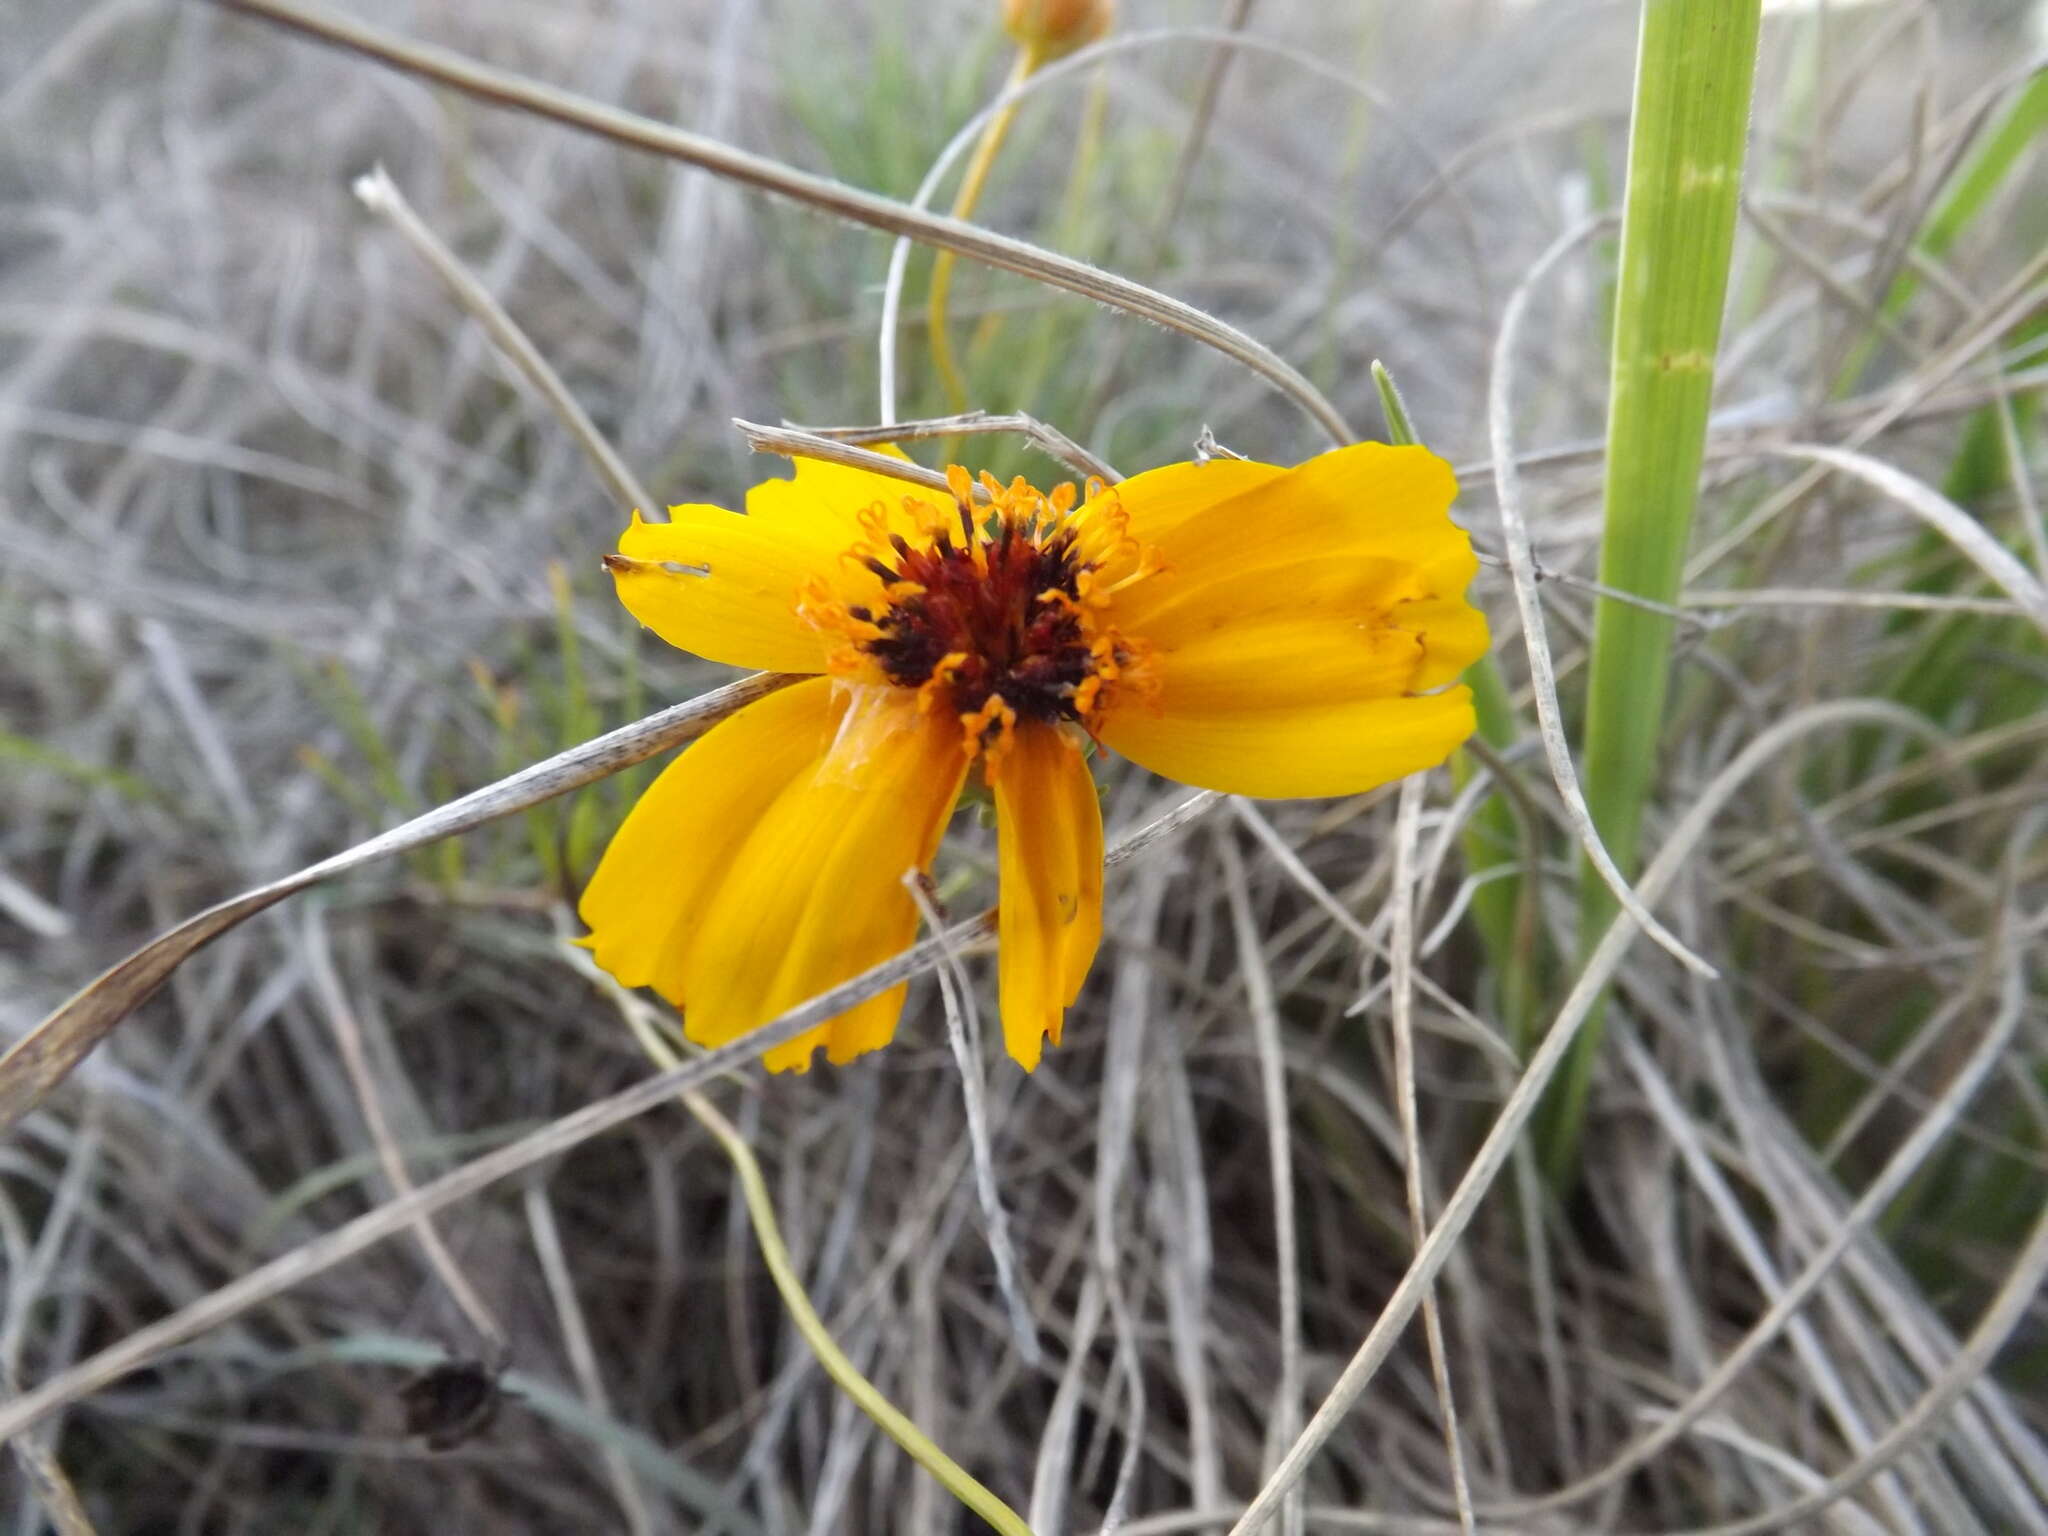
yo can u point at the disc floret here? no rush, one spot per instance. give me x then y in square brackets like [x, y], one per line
[992, 610]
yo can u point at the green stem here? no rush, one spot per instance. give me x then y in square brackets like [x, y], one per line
[844, 1373]
[971, 185]
[1694, 72]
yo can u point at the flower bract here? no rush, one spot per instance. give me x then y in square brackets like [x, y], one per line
[1233, 625]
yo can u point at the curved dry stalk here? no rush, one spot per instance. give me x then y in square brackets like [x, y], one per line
[380, 194]
[1940, 514]
[1401, 953]
[348, 1036]
[1522, 563]
[1265, 1020]
[47, 1054]
[801, 443]
[861, 207]
[1048, 440]
[1227, 42]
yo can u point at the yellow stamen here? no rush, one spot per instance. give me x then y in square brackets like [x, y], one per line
[1149, 565]
[942, 676]
[961, 484]
[975, 723]
[820, 607]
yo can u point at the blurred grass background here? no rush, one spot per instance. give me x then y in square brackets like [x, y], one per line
[289, 554]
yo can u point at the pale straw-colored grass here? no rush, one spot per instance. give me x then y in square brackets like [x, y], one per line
[300, 510]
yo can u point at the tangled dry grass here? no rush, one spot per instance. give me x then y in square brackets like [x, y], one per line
[291, 553]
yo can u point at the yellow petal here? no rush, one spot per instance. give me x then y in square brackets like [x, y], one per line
[743, 612]
[1278, 662]
[673, 852]
[1049, 855]
[814, 894]
[1302, 610]
[1313, 748]
[1299, 632]
[824, 501]
[1366, 502]
[1160, 500]
[1452, 633]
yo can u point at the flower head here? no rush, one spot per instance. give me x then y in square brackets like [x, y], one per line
[1055, 27]
[1258, 630]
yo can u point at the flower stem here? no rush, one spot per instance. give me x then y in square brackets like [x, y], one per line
[844, 1373]
[972, 182]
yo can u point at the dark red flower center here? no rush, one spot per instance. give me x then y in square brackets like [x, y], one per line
[993, 615]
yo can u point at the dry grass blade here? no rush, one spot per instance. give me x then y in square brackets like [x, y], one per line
[1940, 514]
[348, 1035]
[380, 194]
[818, 192]
[1264, 1010]
[1904, 1164]
[2016, 1298]
[1053, 442]
[561, 1282]
[138, 1348]
[963, 1035]
[1401, 984]
[1514, 1115]
[281, 1274]
[53, 1489]
[43, 1058]
[796, 442]
[1191, 146]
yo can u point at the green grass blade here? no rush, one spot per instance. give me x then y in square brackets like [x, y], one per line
[1694, 71]
[37, 754]
[2001, 151]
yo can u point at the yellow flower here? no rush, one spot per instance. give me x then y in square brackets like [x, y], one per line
[1257, 630]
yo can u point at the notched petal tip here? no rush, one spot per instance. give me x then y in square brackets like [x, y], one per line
[1049, 912]
[795, 1057]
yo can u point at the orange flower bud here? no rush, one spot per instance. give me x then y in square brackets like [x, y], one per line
[1054, 27]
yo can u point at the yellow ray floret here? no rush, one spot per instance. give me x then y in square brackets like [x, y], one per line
[1049, 856]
